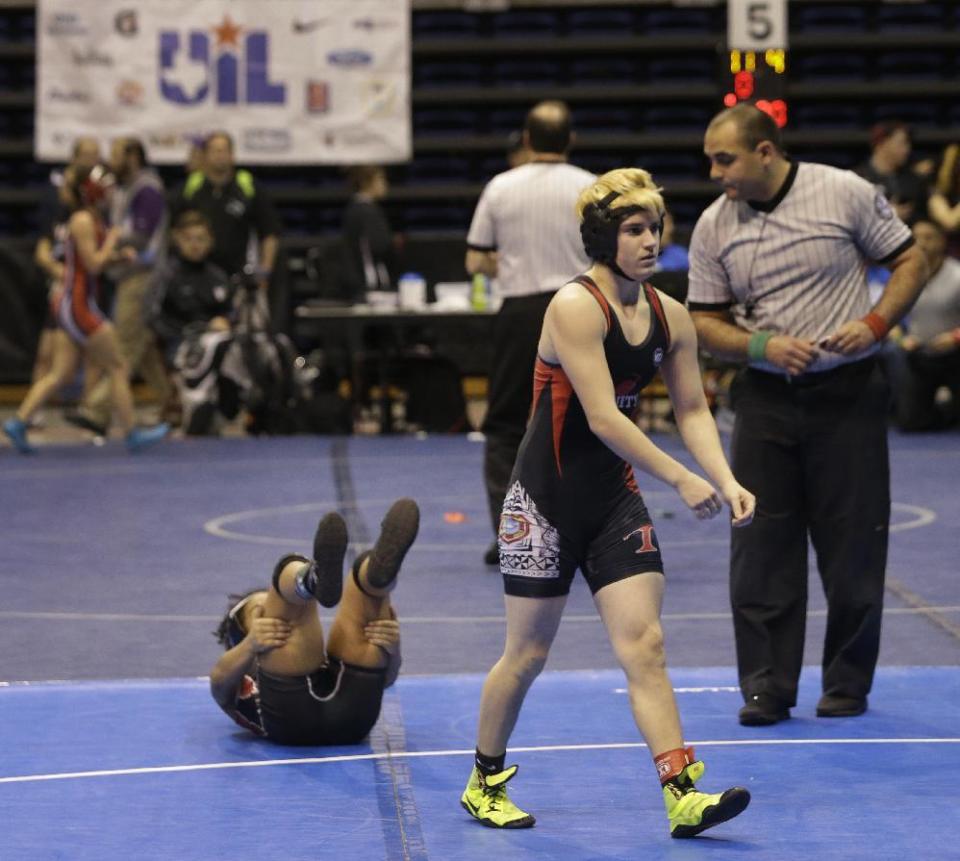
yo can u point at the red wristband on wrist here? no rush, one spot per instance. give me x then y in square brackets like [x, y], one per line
[877, 325]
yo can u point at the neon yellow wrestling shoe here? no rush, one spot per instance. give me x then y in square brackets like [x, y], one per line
[485, 799]
[692, 811]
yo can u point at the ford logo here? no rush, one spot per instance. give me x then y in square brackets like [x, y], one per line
[349, 58]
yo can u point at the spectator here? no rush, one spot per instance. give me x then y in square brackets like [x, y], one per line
[191, 308]
[525, 233]
[925, 355]
[368, 241]
[944, 202]
[888, 166]
[83, 328]
[138, 210]
[245, 225]
[518, 152]
[673, 257]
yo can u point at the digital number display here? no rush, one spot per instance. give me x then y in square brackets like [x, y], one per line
[757, 77]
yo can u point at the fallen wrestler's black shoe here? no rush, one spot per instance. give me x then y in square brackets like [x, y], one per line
[397, 532]
[329, 548]
[491, 556]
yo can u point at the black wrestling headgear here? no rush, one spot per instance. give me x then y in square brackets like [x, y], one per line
[600, 227]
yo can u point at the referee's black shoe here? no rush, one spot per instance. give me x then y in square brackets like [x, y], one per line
[834, 706]
[763, 710]
[491, 556]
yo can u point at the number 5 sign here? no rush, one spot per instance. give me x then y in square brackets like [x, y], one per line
[756, 25]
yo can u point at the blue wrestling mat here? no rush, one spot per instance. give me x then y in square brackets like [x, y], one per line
[153, 770]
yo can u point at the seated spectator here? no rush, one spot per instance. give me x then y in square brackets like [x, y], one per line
[888, 166]
[518, 152]
[190, 307]
[223, 358]
[925, 355]
[944, 202]
[370, 251]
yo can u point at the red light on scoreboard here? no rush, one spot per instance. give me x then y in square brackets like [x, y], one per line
[756, 77]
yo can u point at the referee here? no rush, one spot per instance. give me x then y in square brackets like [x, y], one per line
[525, 232]
[777, 282]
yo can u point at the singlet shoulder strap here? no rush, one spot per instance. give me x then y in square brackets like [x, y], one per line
[597, 294]
[657, 306]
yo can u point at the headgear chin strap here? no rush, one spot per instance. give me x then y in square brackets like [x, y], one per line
[600, 227]
[235, 630]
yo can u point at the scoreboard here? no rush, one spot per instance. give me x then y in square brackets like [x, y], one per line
[758, 77]
[754, 66]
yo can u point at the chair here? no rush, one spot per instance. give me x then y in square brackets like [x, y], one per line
[521, 73]
[443, 121]
[679, 20]
[841, 66]
[928, 64]
[827, 115]
[528, 22]
[445, 24]
[439, 74]
[606, 118]
[613, 22]
[897, 17]
[845, 17]
[607, 70]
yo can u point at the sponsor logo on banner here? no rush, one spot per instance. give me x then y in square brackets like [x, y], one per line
[318, 97]
[370, 24]
[91, 57]
[379, 97]
[231, 67]
[126, 23]
[130, 93]
[348, 138]
[349, 59]
[66, 24]
[164, 141]
[76, 97]
[302, 27]
[267, 140]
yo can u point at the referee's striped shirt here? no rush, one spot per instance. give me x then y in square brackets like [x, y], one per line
[527, 216]
[795, 265]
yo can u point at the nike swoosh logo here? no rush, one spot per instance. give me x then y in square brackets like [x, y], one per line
[309, 26]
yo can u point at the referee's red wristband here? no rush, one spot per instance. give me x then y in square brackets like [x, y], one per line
[877, 325]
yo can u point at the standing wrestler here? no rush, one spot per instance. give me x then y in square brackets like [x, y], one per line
[83, 329]
[573, 500]
[277, 678]
[777, 281]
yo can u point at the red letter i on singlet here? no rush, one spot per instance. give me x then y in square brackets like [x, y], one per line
[647, 532]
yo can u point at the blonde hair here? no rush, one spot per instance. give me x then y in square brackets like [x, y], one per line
[634, 187]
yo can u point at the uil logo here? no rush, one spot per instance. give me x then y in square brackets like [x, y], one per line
[227, 63]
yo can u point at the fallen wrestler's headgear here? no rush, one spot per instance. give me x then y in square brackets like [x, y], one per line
[600, 227]
[234, 628]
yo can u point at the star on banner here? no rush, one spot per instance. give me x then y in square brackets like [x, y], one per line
[227, 33]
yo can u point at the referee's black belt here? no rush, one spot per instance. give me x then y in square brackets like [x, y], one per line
[816, 378]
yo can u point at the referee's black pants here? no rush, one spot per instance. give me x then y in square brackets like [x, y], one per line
[516, 333]
[814, 451]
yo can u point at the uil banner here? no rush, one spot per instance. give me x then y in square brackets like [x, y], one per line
[293, 81]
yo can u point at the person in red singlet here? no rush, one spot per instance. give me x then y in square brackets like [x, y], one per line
[83, 328]
[573, 500]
